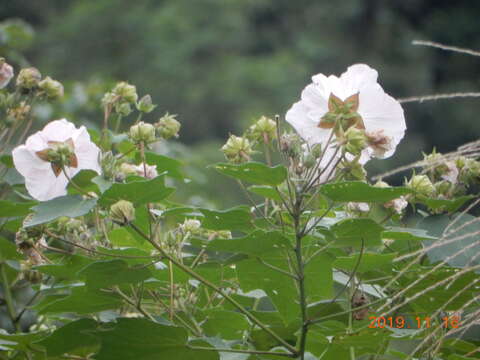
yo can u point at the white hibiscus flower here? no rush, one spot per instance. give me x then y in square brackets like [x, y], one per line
[353, 99]
[41, 159]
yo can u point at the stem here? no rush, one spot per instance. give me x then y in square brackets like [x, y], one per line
[217, 289]
[300, 277]
[9, 298]
[70, 180]
[240, 351]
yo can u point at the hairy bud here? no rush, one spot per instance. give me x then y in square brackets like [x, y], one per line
[142, 132]
[28, 79]
[237, 149]
[51, 89]
[145, 104]
[122, 212]
[168, 126]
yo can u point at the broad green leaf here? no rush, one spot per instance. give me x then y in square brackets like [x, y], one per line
[8, 250]
[238, 218]
[279, 287]
[20, 341]
[68, 270]
[319, 278]
[368, 262]
[138, 192]
[172, 167]
[399, 233]
[102, 183]
[254, 172]
[350, 232]
[228, 325]
[102, 274]
[83, 301]
[448, 205]
[83, 179]
[254, 244]
[358, 191]
[71, 337]
[466, 229]
[69, 205]
[141, 339]
[12, 209]
[123, 237]
[265, 191]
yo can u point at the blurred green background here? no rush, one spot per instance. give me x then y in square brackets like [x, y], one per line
[220, 64]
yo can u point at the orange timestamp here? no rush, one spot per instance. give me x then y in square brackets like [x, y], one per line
[399, 322]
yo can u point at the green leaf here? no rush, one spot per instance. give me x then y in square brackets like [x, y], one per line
[7, 160]
[69, 205]
[449, 205]
[368, 262]
[238, 218]
[319, 278]
[141, 339]
[227, 325]
[406, 234]
[172, 167]
[102, 183]
[83, 179]
[11, 209]
[350, 232]
[279, 287]
[138, 192]
[466, 229]
[122, 237]
[255, 244]
[358, 191]
[68, 270]
[71, 337]
[83, 301]
[102, 274]
[8, 250]
[265, 191]
[20, 341]
[254, 172]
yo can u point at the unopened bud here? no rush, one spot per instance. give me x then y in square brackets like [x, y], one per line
[28, 79]
[264, 129]
[168, 126]
[237, 149]
[358, 208]
[51, 89]
[123, 108]
[6, 73]
[126, 92]
[355, 140]
[316, 150]
[309, 161]
[142, 132]
[145, 104]
[421, 185]
[122, 212]
[30, 275]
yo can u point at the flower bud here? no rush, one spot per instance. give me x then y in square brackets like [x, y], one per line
[18, 112]
[122, 212]
[6, 73]
[264, 129]
[28, 79]
[421, 185]
[358, 208]
[309, 161]
[142, 132]
[51, 89]
[316, 150]
[191, 225]
[126, 92]
[290, 144]
[398, 205]
[108, 163]
[30, 275]
[237, 149]
[381, 184]
[353, 170]
[168, 127]
[355, 140]
[123, 108]
[145, 104]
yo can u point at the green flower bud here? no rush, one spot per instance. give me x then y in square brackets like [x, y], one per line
[264, 129]
[145, 104]
[109, 99]
[59, 154]
[444, 188]
[421, 185]
[108, 163]
[142, 132]
[316, 150]
[123, 108]
[237, 149]
[290, 144]
[51, 89]
[28, 79]
[30, 275]
[168, 127]
[122, 212]
[355, 140]
[353, 170]
[126, 92]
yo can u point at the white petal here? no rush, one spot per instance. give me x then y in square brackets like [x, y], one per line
[306, 127]
[46, 186]
[359, 76]
[58, 130]
[86, 151]
[27, 162]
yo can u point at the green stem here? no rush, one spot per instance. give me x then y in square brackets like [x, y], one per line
[215, 288]
[9, 298]
[70, 180]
